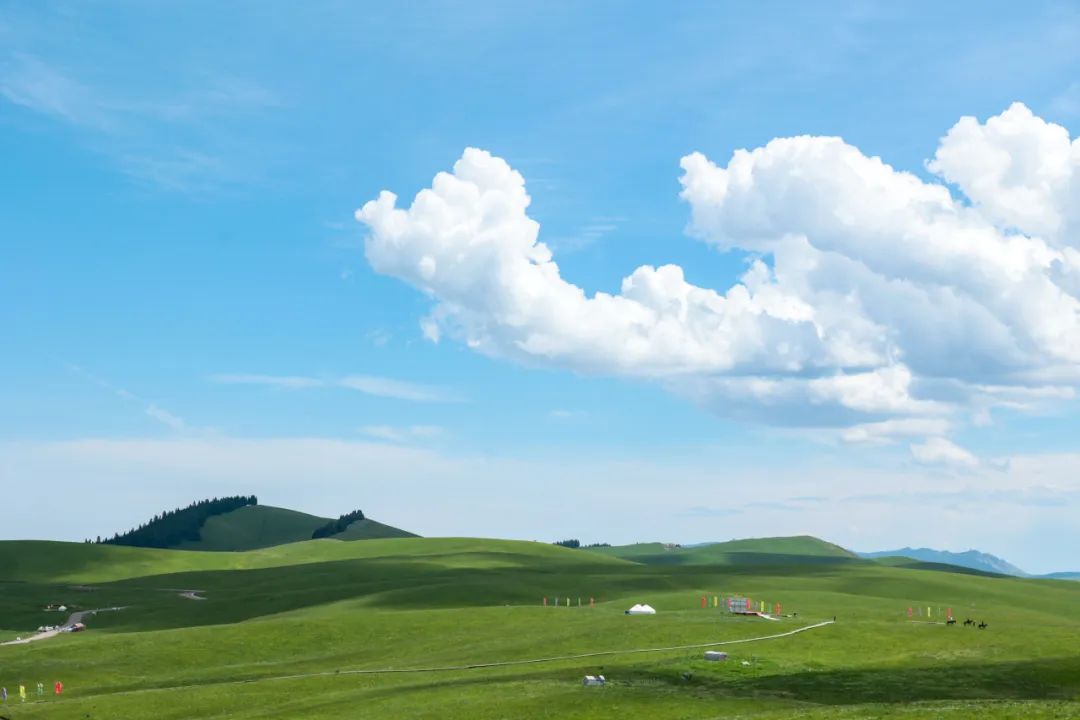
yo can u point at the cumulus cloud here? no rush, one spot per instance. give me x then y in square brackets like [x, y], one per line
[874, 301]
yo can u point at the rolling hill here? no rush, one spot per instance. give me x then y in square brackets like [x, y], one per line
[260, 526]
[253, 526]
[323, 629]
[802, 548]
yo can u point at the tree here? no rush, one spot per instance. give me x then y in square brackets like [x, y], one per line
[171, 528]
[335, 527]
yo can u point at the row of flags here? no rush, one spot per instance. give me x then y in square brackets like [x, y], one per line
[556, 602]
[57, 689]
[929, 612]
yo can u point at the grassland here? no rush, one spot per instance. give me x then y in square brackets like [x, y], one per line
[261, 526]
[282, 627]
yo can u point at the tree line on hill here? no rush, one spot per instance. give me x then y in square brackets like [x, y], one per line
[337, 526]
[574, 544]
[173, 527]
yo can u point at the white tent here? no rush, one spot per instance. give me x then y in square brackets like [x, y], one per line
[641, 610]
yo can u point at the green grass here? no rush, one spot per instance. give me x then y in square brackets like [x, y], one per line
[261, 526]
[368, 529]
[253, 527]
[327, 606]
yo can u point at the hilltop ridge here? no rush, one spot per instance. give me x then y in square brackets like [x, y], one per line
[237, 524]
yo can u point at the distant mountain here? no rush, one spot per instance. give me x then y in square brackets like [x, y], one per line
[248, 527]
[801, 549]
[1062, 576]
[972, 559]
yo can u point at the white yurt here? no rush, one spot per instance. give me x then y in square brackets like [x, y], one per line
[641, 610]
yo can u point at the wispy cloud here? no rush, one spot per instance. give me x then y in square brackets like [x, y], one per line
[710, 512]
[166, 418]
[368, 384]
[290, 382]
[378, 338]
[401, 434]
[399, 389]
[28, 81]
[150, 409]
[134, 129]
[586, 235]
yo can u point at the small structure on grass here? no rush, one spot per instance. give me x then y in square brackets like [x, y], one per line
[593, 680]
[641, 610]
[715, 655]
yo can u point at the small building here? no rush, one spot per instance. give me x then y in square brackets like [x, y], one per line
[715, 656]
[593, 680]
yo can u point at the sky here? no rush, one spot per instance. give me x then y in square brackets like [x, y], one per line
[618, 272]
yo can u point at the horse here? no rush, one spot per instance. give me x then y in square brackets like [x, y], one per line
[983, 625]
[950, 621]
[969, 621]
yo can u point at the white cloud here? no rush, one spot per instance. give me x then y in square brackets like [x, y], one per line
[369, 384]
[1028, 512]
[399, 389]
[279, 381]
[939, 451]
[401, 434]
[871, 295]
[210, 111]
[887, 430]
[150, 409]
[28, 81]
[166, 418]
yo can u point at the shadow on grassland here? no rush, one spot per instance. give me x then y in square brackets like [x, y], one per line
[1049, 679]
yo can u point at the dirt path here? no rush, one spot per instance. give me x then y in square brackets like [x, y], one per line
[75, 617]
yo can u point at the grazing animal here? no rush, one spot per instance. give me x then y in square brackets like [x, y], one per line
[950, 621]
[969, 621]
[983, 625]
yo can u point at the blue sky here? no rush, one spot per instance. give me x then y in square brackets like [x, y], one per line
[190, 307]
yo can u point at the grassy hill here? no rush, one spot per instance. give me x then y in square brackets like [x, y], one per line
[801, 548]
[282, 628]
[368, 529]
[260, 526]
